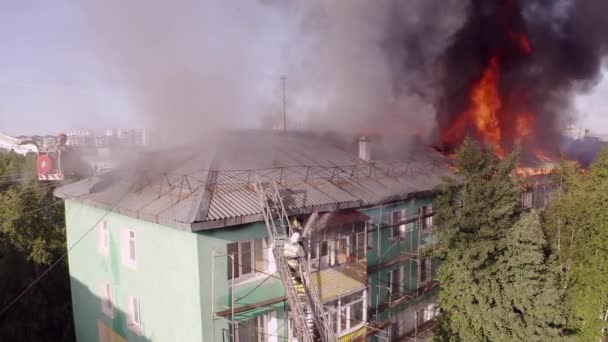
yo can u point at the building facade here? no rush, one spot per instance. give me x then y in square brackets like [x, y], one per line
[155, 261]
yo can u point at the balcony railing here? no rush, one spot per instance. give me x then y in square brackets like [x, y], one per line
[403, 297]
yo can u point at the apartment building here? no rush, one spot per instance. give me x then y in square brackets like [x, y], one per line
[175, 248]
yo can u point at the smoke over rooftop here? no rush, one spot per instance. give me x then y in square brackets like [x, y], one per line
[400, 68]
[190, 67]
[511, 71]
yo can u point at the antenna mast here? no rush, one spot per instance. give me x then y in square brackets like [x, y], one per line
[283, 80]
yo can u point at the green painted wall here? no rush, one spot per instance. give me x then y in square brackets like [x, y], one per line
[254, 290]
[177, 276]
[166, 280]
[181, 277]
[388, 250]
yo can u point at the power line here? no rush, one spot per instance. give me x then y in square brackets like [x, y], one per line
[29, 189]
[37, 209]
[45, 272]
[255, 288]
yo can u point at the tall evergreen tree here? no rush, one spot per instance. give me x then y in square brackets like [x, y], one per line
[577, 223]
[495, 282]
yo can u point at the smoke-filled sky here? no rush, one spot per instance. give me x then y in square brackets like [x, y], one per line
[188, 67]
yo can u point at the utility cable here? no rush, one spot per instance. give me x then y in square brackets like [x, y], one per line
[37, 209]
[26, 189]
[255, 288]
[54, 264]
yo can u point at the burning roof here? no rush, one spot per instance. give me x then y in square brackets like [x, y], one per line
[510, 73]
[203, 191]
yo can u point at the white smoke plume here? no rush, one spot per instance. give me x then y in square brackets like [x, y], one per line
[193, 67]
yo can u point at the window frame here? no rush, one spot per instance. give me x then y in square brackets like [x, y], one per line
[103, 238]
[129, 261]
[426, 222]
[360, 245]
[396, 216]
[336, 246]
[107, 300]
[428, 270]
[528, 199]
[335, 312]
[369, 229]
[134, 307]
[262, 325]
[395, 286]
[266, 254]
[319, 254]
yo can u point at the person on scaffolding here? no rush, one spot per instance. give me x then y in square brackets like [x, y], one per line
[293, 250]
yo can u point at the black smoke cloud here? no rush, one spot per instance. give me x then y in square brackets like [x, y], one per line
[399, 67]
[569, 40]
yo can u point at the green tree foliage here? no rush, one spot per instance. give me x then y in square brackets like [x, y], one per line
[496, 284]
[32, 236]
[577, 224]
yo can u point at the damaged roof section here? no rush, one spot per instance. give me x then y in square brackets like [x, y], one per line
[213, 186]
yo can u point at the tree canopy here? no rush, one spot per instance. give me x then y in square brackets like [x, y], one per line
[496, 280]
[577, 224]
[32, 237]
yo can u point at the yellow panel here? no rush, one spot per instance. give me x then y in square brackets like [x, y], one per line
[106, 334]
[336, 282]
[353, 335]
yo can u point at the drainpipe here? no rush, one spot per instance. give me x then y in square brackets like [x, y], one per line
[213, 292]
[379, 253]
[232, 300]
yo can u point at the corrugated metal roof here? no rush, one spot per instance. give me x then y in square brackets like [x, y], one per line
[191, 194]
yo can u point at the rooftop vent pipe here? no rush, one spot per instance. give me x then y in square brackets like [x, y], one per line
[365, 153]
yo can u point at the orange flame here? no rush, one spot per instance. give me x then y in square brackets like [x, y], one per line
[483, 109]
[523, 124]
[522, 40]
[533, 171]
[499, 113]
[494, 123]
[542, 155]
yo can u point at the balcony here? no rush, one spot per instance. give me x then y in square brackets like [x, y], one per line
[401, 298]
[335, 282]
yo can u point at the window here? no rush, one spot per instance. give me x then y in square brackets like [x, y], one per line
[338, 251]
[395, 281]
[370, 233]
[324, 248]
[134, 319]
[527, 199]
[432, 311]
[405, 323]
[395, 331]
[245, 255]
[261, 257]
[420, 316]
[232, 250]
[427, 218]
[107, 306]
[246, 258]
[396, 217]
[426, 314]
[262, 328]
[360, 250]
[103, 238]
[347, 313]
[130, 255]
[424, 270]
